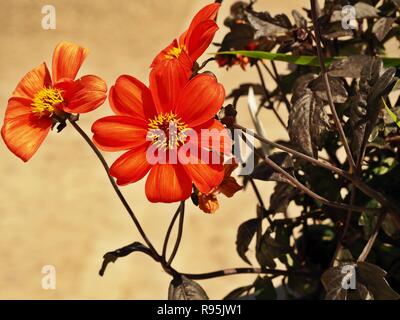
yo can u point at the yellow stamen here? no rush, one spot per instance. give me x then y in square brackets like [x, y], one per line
[45, 102]
[175, 52]
[167, 131]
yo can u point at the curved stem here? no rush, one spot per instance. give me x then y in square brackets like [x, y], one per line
[168, 234]
[357, 182]
[279, 84]
[311, 193]
[263, 84]
[269, 71]
[116, 188]
[297, 183]
[180, 233]
[262, 205]
[234, 271]
[294, 152]
[257, 193]
[266, 94]
[367, 249]
[345, 228]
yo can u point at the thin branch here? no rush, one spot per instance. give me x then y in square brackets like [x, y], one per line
[357, 182]
[114, 185]
[278, 116]
[257, 192]
[345, 228]
[235, 271]
[311, 193]
[262, 205]
[266, 93]
[367, 249]
[180, 232]
[296, 183]
[279, 84]
[295, 152]
[204, 64]
[168, 234]
[324, 74]
[294, 222]
[263, 84]
[269, 71]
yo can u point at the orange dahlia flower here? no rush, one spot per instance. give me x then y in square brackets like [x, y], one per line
[173, 65]
[141, 114]
[194, 41]
[40, 101]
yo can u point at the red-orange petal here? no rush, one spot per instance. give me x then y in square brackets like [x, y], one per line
[86, 94]
[200, 100]
[131, 97]
[200, 38]
[67, 59]
[23, 132]
[168, 183]
[66, 86]
[17, 107]
[205, 176]
[214, 136]
[167, 80]
[162, 55]
[131, 166]
[209, 12]
[183, 56]
[115, 133]
[33, 82]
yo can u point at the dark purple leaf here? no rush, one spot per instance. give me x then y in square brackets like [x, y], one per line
[349, 67]
[265, 172]
[183, 288]
[265, 28]
[112, 256]
[339, 93]
[238, 293]
[382, 26]
[369, 280]
[264, 289]
[245, 234]
[308, 123]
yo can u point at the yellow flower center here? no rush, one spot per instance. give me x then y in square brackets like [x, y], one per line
[45, 102]
[175, 52]
[167, 131]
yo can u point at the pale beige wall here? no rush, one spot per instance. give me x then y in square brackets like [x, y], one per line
[59, 209]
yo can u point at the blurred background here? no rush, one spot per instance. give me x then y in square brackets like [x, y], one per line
[59, 209]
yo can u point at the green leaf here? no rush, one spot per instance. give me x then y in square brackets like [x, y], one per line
[311, 61]
[395, 119]
[300, 60]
